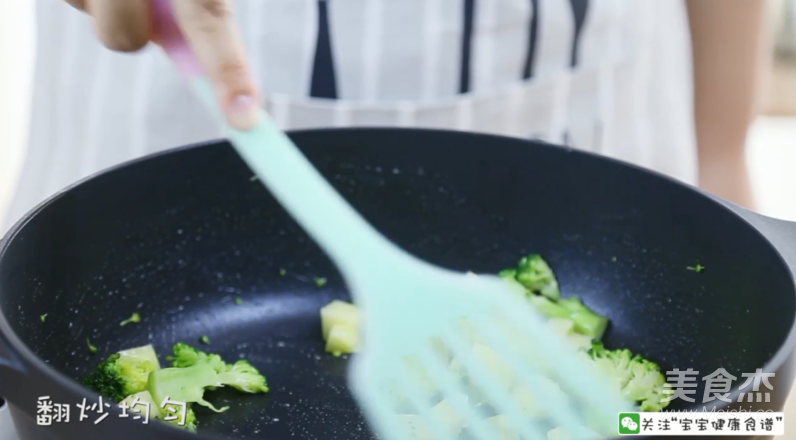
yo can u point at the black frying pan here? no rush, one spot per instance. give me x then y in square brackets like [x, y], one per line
[178, 235]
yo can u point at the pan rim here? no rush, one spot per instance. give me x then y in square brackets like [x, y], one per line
[21, 350]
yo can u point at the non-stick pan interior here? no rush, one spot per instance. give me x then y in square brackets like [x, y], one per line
[179, 236]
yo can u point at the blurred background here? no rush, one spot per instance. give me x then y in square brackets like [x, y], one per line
[771, 142]
[771, 145]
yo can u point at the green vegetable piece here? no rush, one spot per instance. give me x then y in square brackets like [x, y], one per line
[204, 340]
[587, 322]
[638, 378]
[134, 319]
[537, 278]
[282, 272]
[190, 417]
[156, 413]
[185, 385]
[187, 356]
[43, 317]
[123, 373]
[244, 377]
[534, 273]
[238, 301]
[92, 349]
[320, 282]
[549, 308]
[241, 375]
[698, 268]
[509, 274]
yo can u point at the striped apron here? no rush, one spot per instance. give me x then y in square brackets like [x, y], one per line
[608, 76]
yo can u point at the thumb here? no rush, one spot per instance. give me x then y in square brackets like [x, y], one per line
[210, 29]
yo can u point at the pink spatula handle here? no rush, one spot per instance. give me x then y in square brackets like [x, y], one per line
[169, 36]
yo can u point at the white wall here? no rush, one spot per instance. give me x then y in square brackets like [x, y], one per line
[772, 161]
[16, 71]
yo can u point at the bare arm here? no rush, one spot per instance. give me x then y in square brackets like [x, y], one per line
[727, 38]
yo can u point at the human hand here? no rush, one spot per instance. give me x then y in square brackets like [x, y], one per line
[209, 28]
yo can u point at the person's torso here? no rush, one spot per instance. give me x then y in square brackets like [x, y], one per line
[609, 76]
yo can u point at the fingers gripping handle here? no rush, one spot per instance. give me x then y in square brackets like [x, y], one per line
[167, 34]
[293, 180]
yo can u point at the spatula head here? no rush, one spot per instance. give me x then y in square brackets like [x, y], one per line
[444, 353]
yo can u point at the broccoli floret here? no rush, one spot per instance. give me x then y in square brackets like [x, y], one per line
[539, 281]
[123, 373]
[587, 322]
[647, 386]
[508, 274]
[549, 308]
[241, 375]
[195, 372]
[190, 418]
[639, 379]
[186, 385]
[187, 356]
[535, 274]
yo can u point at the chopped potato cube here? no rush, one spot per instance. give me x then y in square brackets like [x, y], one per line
[144, 353]
[338, 312]
[343, 339]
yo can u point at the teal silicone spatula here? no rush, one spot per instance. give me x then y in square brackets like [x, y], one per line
[418, 317]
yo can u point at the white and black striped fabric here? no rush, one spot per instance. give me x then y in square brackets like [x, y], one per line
[609, 76]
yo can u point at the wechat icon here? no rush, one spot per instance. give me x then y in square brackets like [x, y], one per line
[629, 423]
